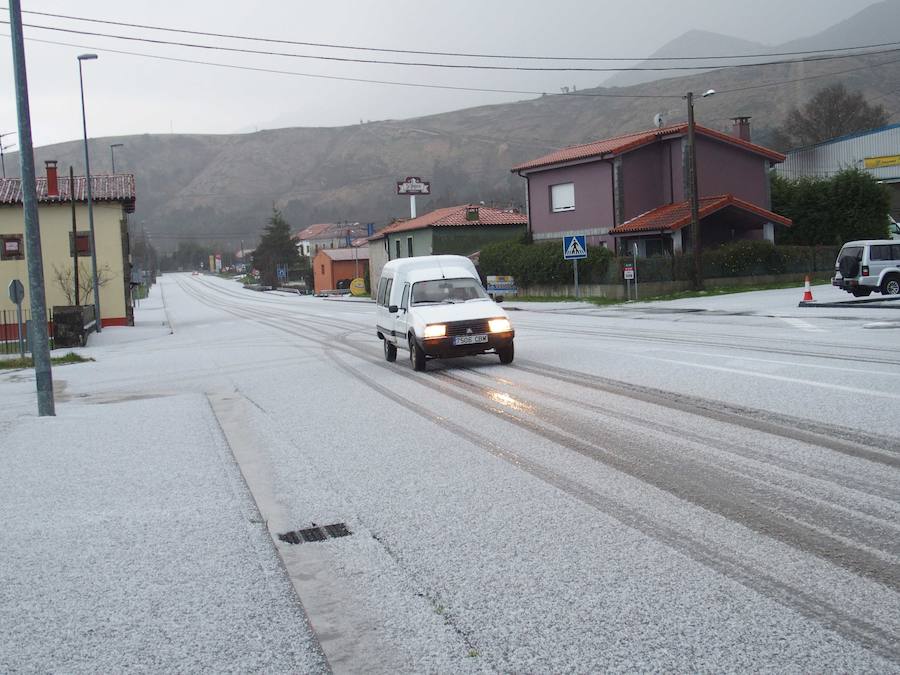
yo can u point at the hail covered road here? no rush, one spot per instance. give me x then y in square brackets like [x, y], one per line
[651, 487]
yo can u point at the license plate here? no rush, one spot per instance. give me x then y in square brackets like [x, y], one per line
[469, 339]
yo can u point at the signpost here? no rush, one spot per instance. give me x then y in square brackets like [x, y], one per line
[574, 249]
[412, 186]
[16, 296]
[499, 286]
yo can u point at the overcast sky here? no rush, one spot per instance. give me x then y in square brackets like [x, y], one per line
[127, 94]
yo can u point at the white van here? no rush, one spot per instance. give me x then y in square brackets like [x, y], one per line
[436, 307]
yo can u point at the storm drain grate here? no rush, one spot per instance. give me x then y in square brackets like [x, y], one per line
[312, 534]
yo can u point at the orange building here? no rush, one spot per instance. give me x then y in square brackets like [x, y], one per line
[332, 265]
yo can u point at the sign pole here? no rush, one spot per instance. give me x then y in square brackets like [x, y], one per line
[21, 337]
[412, 206]
[635, 273]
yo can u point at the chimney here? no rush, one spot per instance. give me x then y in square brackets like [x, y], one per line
[740, 128]
[52, 180]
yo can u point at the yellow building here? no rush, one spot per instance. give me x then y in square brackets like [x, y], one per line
[113, 197]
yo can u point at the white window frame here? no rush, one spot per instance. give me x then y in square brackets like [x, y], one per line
[562, 197]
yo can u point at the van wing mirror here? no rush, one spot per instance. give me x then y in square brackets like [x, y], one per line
[392, 309]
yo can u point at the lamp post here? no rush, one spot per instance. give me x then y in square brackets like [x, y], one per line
[692, 184]
[112, 154]
[90, 198]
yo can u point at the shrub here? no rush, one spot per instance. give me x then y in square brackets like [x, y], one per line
[543, 263]
[849, 205]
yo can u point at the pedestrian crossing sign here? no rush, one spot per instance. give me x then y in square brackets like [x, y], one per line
[574, 247]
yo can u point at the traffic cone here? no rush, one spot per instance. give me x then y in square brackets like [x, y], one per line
[807, 292]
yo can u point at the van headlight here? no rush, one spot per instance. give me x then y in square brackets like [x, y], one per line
[435, 330]
[499, 325]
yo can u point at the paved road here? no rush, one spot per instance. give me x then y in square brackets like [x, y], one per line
[643, 488]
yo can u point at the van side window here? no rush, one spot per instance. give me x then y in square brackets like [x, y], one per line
[381, 286]
[404, 300]
[387, 293]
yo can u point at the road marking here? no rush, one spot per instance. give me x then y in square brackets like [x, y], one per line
[858, 371]
[801, 324]
[781, 378]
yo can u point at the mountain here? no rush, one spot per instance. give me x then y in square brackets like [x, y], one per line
[875, 24]
[690, 43]
[222, 188]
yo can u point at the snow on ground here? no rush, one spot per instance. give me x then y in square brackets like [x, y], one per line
[133, 543]
[129, 540]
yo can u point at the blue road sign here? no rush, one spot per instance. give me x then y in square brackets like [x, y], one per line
[574, 247]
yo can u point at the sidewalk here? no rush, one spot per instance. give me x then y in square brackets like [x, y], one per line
[133, 544]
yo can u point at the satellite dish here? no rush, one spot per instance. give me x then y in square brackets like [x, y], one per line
[658, 120]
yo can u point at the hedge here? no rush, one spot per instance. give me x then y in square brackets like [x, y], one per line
[543, 264]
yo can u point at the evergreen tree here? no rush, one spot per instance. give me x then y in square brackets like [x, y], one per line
[275, 248]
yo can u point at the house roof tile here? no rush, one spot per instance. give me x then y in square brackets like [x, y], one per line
[456, 216]
[619, 145]
[104, 188]
[673, 217]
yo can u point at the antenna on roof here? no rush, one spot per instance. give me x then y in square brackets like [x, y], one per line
[658, 120]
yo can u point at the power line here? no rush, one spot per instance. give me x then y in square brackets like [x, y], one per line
[454, 66]
[522, 57]
[806, 77]
[275, 71]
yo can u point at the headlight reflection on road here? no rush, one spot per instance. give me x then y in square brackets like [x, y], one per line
[505, 399]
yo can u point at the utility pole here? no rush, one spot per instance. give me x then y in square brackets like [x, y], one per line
[40, 350]
[692, 185]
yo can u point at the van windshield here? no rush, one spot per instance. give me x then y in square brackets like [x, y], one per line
[447, 290]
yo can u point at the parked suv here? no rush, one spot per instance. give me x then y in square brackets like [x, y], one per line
[868, 265]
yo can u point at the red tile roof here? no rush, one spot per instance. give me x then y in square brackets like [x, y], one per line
[673, 217]
[619, 145]
[104, 188]
[455, 216]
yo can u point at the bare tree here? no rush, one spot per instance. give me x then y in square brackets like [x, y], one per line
[832, 112]
[64, 280]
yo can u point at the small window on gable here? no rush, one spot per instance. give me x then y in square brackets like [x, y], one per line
[409, 248]
[398, 247]
[12, 247]
[562, 197]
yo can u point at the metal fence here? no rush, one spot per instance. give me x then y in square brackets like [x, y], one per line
[9, 330]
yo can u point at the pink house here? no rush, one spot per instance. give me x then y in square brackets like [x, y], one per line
[632, 189]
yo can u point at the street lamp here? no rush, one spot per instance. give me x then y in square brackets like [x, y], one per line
[112, 154]
[90, 198]
[5, 147]
[694, 197]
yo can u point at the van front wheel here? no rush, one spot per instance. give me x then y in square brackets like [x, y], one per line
[416, 355]
[390, 351]
[506, 353]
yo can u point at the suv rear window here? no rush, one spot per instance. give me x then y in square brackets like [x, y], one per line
[851, 252]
